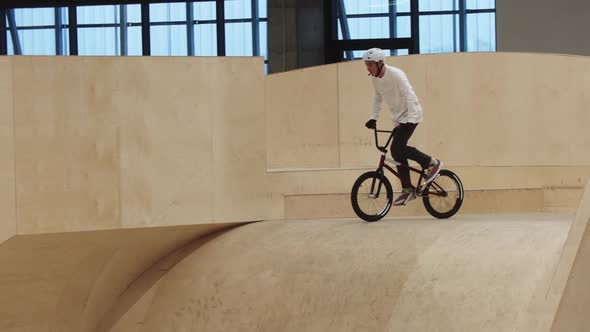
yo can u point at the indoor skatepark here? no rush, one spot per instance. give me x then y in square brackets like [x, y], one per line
[195, 194]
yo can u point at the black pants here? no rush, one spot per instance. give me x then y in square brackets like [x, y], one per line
[401, 152]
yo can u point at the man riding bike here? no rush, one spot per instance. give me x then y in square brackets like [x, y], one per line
[390, 85]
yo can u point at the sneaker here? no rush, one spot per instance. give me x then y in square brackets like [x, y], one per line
[433, 171]
[404, 198]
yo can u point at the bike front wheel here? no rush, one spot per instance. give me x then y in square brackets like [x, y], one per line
[371, 196]
[443, 196]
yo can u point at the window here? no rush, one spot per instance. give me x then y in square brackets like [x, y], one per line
[441, 23]
[176, 29]
[366, 28]
[481, 32]
[10, 46]
[168, 30]
[99, 30]
[36, 31]
[438, 5]
[205, 28]
[439, 33]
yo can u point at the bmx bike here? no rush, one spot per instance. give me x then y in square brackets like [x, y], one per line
[372, 193]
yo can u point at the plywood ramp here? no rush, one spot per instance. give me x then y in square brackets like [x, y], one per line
[572, 314]
[474, 273]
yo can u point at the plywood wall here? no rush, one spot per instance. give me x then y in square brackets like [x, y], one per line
[7, 193]
[107, 142]
[480, 109]
[302, 118]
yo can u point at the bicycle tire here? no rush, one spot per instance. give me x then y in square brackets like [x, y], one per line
[379, 178]
[437, 185]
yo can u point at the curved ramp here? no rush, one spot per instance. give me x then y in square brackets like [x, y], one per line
[477, 273]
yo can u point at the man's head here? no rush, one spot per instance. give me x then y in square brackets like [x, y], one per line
[374, 61]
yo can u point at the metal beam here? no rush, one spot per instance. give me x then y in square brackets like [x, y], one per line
[190, 28]
[330, 32]
[73, 29]
[384, 43]
[68, 3]
[14, 32]
[123, 30]
[415, 27]
[220, 7]
[255, 29]
[59, 42]
[3, 32]
[145, 29]
[341, 13]
[392, 18]
[463, 25]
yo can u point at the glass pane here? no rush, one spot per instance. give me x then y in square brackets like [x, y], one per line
[481, 32]
[10, 45]
[37, 42]
[403, 27]
[367, 28]
[238, 39]
[481, 4]
[352, 7]
[65, 33]
[134, 41]
[64, 15]
[238, 9]
[168, 40]
[263, 40]
[133, 13]
[402, 52]
[438, 34]
[34, 17]
[438, 5]
[262, 9]
[98, 41]
[166, 12]
[204, 11]
[206, 39]
[98, 14]
[402, 6]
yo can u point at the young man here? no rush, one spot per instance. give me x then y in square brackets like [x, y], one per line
[391, 85]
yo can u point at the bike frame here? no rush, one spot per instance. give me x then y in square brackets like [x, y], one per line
[383, 164]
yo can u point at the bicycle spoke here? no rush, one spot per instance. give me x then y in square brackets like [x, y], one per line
[443, 193]
[366, 197]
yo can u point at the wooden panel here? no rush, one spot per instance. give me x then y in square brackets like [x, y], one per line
[478, 201]
[239, 142]
[577, 115]
[448, 110]
[166, 107]
[7, 195]
[302, 118]
[519, 100]
[66, 141]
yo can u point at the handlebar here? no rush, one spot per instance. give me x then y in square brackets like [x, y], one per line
[382, 148]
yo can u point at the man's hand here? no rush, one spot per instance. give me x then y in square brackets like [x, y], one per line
[371, 124]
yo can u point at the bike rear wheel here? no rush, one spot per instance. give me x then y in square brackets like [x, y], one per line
[371, 196]
[443, 196]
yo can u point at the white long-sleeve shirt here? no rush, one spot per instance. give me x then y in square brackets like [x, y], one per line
[395, 90]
